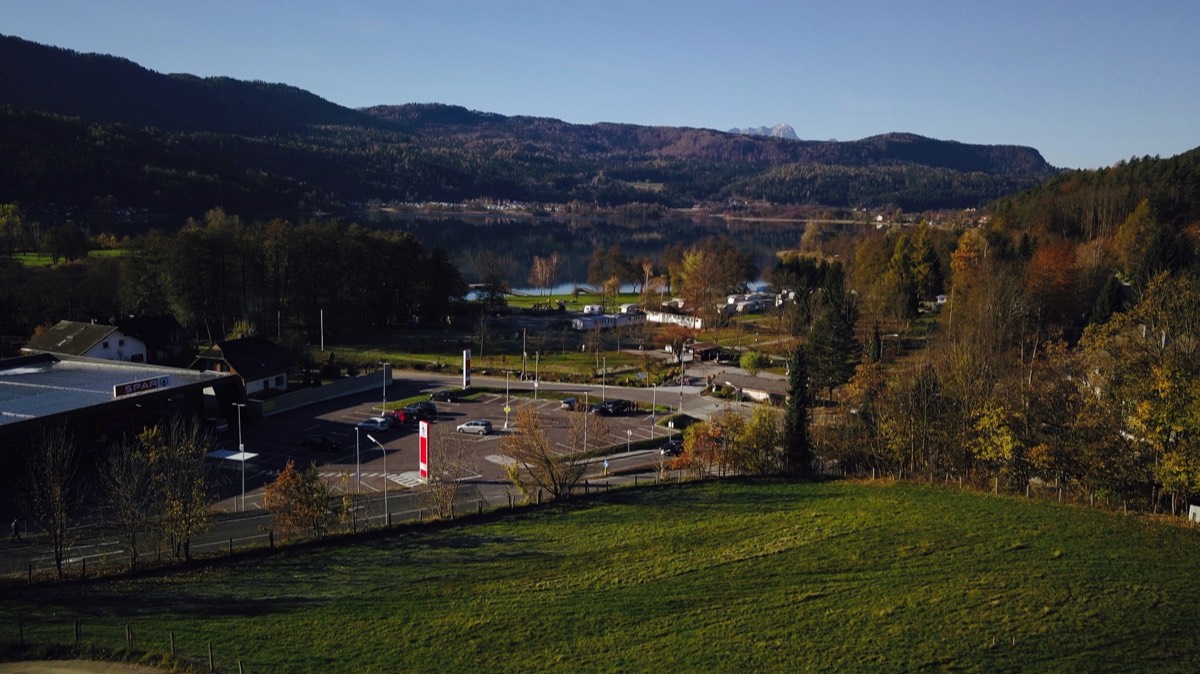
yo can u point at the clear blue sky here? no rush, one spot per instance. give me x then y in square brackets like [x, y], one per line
[1087, 83]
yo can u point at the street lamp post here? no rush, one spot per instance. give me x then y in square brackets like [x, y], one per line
[603, 377]
[385, 478]
[383, 410]
[507, 407]
[537, 356]
[653, 404]
[357, 463]
[242, 453]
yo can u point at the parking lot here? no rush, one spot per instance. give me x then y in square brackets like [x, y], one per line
[350, 458]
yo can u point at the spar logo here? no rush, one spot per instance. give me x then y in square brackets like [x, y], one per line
[141, 386]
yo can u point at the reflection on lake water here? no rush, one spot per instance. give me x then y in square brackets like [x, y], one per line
[515, 241]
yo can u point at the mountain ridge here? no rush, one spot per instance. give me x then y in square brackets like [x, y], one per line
[184, 138]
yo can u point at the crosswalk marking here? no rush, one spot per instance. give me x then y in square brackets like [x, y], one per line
[500, 459]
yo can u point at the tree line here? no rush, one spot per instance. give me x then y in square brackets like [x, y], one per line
[218, 271]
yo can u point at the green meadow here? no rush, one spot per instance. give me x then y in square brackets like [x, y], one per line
[712, 577]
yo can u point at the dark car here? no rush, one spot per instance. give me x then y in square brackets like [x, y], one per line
[320, 443]
[398, 417]
[611, 408]
[570, 404]
[672, 447]
[445, 396]
[421, 411]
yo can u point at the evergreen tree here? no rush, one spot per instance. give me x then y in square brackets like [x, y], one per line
[833, 349]
[1108, 302]
[797, 449]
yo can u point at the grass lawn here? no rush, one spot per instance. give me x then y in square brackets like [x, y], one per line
[39, 260]
[837, 576]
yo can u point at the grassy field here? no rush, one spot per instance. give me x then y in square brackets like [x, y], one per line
[706, 577]
[40, 260]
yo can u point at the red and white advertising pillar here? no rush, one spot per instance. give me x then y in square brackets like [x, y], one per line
[423, 456]
[466, 368]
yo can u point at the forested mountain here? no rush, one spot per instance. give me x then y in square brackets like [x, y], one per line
[92, 131]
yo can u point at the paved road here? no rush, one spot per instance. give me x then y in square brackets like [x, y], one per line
[240, 520]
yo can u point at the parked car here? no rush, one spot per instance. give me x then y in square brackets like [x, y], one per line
[610, 408]
[672, 447]
[320, 443]
[480, 426]
[218, 424]
[398, 417]
[375, 424]
[570, 404]
[421, 411]
[445, 396]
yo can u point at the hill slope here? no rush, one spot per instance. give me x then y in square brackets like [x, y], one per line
[220, 141]
[709, 577]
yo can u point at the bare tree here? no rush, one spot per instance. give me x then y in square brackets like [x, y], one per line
[450, 461]
[128, 482]
[51, 489]
[544, 466]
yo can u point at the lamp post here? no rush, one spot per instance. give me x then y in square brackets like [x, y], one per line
[242, 452]
[587, 420]
[653, 404]
[603, 377]
[385, 478]
[383, 410]
[357, 464]
[507, 407]
[682, 379]
[537, 356]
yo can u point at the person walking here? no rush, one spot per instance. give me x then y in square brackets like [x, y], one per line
[16, 535]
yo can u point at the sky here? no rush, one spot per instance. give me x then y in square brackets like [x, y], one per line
[1086, 83]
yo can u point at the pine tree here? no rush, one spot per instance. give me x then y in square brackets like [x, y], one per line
[797, 449]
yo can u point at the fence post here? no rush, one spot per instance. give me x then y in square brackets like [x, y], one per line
[231, 546]
[171, 634]
[420, 515]
[21, 632]
[539, 496]
[84, 567]
[210, 658]
[129, 637]
[78, 632]
[240, 670]
[451, 511]
[480, 506]
[509, 500]
[635, 477]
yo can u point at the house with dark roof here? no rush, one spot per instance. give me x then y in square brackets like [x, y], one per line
[260, 363]
[167, 343]
[91, 340]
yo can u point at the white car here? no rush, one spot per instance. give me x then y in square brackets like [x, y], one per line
[375, 424]
[480, 426]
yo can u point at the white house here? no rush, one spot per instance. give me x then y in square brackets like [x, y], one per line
[92, 340]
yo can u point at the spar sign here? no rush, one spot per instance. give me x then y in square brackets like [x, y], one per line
[423, 458]
[141, 386]
[466, 368]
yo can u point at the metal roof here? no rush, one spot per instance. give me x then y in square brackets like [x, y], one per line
[40, 386]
